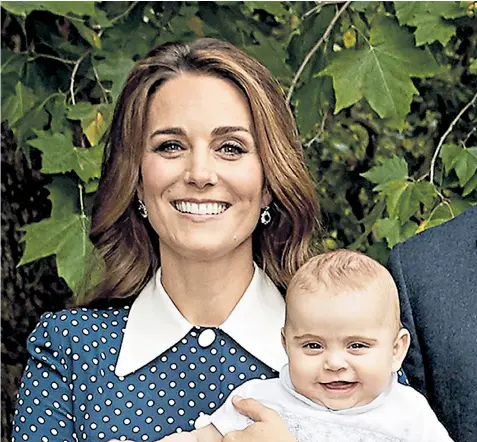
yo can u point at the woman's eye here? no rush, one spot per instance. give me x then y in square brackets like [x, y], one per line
[232, 149]
[169, 147]
[313, 346]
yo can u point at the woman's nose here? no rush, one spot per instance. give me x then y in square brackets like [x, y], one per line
[201, 169]
[335, 361]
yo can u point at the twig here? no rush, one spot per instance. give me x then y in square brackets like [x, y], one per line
[103, 90]
[464, 143]
[446, 133]
[127, 11]
[73, 74]
[80, 188]
[315, 48]
[52, 57]
[320, 5]
[320, 131]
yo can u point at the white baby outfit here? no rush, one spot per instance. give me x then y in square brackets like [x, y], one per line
[397, 415]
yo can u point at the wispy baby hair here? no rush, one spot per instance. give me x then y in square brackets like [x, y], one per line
[343, 271]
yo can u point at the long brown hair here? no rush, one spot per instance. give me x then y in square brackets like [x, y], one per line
[125, 243]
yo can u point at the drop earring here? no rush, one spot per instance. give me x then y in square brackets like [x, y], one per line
[265, 216]
[141, 208]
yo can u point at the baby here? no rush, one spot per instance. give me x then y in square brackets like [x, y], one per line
[345, 344]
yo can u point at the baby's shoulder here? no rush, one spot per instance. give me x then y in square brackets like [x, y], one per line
[407, 401]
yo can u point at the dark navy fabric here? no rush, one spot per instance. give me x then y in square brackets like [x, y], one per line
[69, 391]
[436, 273]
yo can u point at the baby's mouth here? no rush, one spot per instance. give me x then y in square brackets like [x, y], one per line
[338, 385]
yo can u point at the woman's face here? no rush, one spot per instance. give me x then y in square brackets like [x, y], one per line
[202, 178]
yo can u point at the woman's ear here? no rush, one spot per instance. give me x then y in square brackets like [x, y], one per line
[139, 190]
[266, 197]
[400, 348]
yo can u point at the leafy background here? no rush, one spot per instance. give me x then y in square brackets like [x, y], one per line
[384, 95]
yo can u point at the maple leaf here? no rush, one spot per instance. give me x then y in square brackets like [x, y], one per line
[392, 169]
[60, 156]
[428, 18]
[64, 234]
[381, 73]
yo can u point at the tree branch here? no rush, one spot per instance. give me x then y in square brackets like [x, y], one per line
[446, 133]
[315, 48]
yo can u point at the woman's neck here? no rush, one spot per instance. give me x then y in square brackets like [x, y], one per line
[206, 292]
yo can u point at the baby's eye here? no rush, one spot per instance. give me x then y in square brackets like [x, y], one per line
[358, 345]
[232, 149]
[169, 147]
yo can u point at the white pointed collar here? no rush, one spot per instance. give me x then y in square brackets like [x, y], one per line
[155, 324]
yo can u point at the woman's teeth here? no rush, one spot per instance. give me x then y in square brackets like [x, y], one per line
[200, 208]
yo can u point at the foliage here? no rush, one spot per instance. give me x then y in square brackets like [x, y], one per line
[373, 102]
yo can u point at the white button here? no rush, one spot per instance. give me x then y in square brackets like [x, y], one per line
[206, 337]
[202, 421]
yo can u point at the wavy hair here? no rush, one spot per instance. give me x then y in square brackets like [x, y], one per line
[126, 244]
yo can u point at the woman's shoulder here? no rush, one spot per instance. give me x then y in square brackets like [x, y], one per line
[74, 317]
[79, 325]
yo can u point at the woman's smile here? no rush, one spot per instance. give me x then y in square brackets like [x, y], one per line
[200, 208]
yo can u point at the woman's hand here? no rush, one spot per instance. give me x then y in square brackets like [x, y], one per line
[268, 425]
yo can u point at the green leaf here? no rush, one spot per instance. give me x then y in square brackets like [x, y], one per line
[67, 238]
[15, 106]
[12, 62]
[390, 229]
[448, 155]
[466, 164]
[88, 34]
[403, 198]
[63, 196]
[273, 8]
[271, 53]
[428, 18]
[59, 8]
[94, 119]
[311, 101]
[381, 73]
[470, 186]
[60, 156]
[473, 67]
[462, 159]
[115, 68]
[393, 169]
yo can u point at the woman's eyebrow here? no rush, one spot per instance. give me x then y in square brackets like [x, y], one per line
[218, 131]
[168, 131]
[224, 130]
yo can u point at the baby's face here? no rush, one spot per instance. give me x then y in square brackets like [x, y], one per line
[342, 348]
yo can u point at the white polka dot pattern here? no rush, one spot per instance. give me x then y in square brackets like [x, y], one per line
[69, 391]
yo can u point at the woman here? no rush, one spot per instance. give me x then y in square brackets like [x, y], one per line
[203, 213]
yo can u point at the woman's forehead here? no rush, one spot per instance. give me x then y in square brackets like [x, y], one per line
[193, 100]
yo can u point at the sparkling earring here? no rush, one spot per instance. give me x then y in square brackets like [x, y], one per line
[265, 216]
[141, 208]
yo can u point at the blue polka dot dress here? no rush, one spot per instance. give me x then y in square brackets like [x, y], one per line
[102, 374]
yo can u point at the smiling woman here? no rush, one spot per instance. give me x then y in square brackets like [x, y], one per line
[204, 211]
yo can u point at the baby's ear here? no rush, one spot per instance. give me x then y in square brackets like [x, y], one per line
[400, 348]
[284, 339]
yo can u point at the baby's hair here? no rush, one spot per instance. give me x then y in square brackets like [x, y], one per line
[343, 271]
